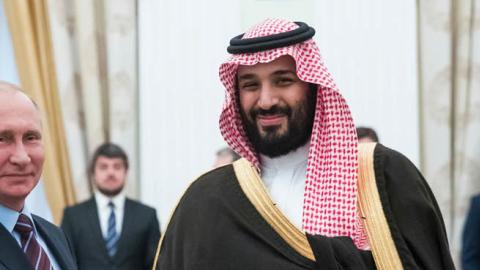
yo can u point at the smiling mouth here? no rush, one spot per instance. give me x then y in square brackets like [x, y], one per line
[18, 174]
[271, 120]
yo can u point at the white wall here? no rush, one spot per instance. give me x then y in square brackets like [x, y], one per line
[369, 47]
[180, 94]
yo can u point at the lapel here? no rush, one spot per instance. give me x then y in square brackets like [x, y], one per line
[55, 243]
[12, 255]
[94, 221]
[127, 223]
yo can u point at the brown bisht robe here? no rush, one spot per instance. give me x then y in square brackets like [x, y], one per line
[216, 226]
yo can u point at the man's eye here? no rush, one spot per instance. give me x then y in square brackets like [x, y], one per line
[284, 81]
[32, 137]
[249, 86]
[5, 138]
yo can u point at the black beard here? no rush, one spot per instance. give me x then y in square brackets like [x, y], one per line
[110, 193]
[299, 127]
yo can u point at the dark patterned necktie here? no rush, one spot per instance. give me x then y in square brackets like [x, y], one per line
[112, 235]
[35, 253]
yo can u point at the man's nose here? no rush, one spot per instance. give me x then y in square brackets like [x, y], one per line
[20, 155]
[268, 97]
[111, 170]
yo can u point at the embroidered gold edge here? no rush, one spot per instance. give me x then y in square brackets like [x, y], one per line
[256, 192]
[383, 248]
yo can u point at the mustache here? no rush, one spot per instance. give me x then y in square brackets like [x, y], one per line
[272, 111]
[111, 177]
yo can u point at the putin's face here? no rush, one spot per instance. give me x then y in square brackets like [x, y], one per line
[21, 148]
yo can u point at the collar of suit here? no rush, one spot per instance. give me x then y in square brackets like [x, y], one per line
[9, 217]
[12, 256]
[103, 200]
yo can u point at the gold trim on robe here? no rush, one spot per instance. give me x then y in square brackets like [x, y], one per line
[370, 206]
[256, 192]
[379, 236]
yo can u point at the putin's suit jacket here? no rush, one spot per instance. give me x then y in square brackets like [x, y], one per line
[13, 258]
[136, 245]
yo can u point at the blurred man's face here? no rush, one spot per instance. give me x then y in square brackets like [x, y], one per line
[365, 140]
[109, 175]
[222, 160]
[277, 107]
[21, 148]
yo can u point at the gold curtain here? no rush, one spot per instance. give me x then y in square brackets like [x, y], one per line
[29, 26]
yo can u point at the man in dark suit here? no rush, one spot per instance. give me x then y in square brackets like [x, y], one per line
[110, 231]
[26, 241]
[471, 237]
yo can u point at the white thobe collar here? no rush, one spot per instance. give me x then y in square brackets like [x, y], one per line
[284, 178]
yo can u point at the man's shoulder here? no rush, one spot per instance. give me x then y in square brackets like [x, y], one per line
[43, 221]
[387, 157]
[395, 172]
[387, 152]
[476, 200]
[213, 180]
[139, 205]
[209, 193]
[46, 225]
[209, 187]
[214, 177]
[80, 207]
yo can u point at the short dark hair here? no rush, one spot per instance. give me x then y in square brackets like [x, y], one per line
[109, 150]
[366, 132]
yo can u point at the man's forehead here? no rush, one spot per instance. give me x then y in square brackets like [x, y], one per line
[8, 90]
[107, 159]
[9, 95]
[17, 110]
[16, 100]
[284, 63]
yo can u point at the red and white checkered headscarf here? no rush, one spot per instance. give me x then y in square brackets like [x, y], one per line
[330, 198]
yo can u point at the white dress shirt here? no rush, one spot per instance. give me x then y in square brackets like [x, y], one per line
[284, 178]
[104, 210]
[9, 217]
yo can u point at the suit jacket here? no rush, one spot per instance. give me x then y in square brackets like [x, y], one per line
[13, 258]
[471, 237]
[136, 246]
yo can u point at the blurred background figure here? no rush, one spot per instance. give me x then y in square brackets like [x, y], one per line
[366, 134]
[110, 231]
[225, 156]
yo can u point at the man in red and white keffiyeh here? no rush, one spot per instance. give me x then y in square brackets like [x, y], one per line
[284, 115]
[278, 123]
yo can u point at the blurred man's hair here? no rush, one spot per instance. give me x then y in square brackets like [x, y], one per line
[366, 132]
[227, 151]
[109, 150]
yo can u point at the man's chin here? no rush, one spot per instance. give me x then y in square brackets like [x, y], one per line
[277, 143]
[271, 132]
[110, 192]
